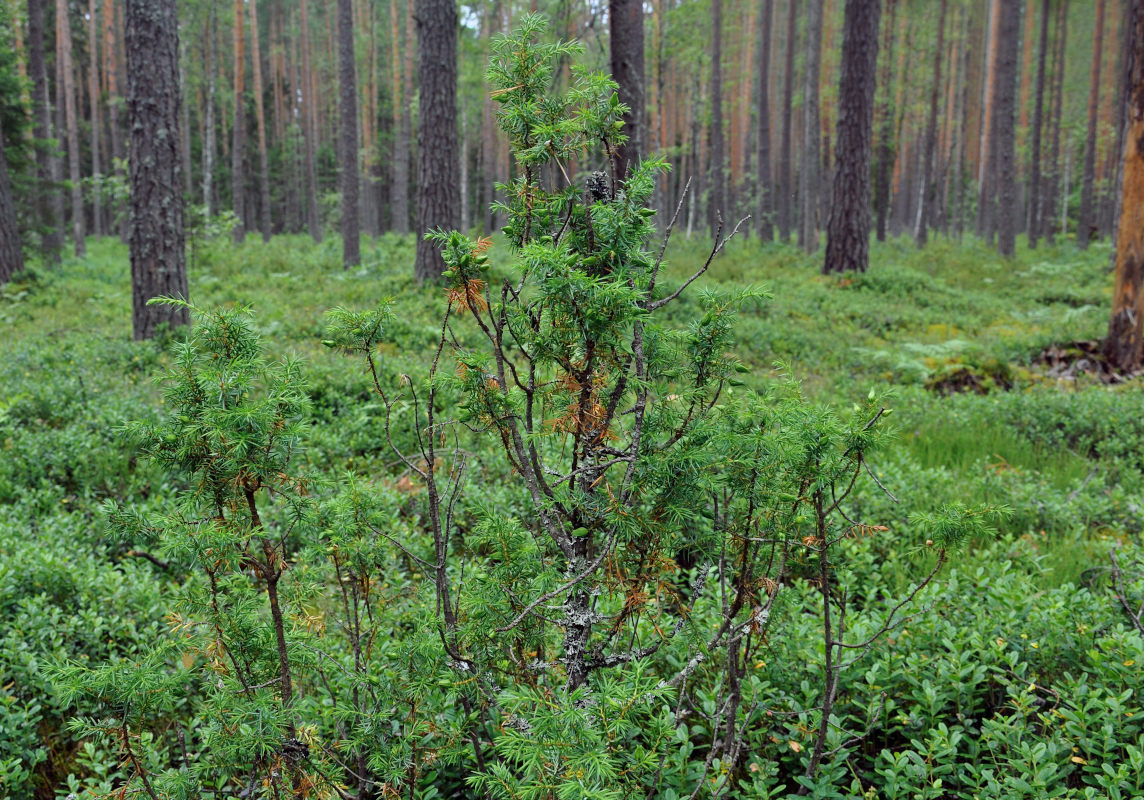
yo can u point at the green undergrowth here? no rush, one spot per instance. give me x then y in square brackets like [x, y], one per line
[1019, 681]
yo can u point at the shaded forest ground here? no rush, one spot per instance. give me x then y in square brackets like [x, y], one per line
[956, 330]
[960, 333]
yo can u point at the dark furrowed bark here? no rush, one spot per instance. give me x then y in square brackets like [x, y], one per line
[158, 255]
[11, 250]
[627, 50]
[1004, 115]
[848, 232]
[438, 199]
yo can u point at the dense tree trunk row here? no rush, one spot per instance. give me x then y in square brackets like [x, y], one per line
[739, 94]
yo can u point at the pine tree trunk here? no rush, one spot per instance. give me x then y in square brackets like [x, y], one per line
[158, 255]
[47, 159]
[1054, 181]
[1125, 344]
[263, 163]
[1123, 101]
[489, 25]
[209, 143]
[929, 190]
[786, 192]
[351, 234]
[957, 174]
[185, 126]
[438, 203]
[764, 222]
[809, 169]
[886, 134]
[848, 230]
[111, 68]
[1005, 95]
[627, 50]
[1086, 219]
[987, 164]
[403, 123]
[71, 123]
[309, 130]
[93, 93]
[370, 207]
[11, 249]
[1035, 219]
[717, 204]
[238, 149]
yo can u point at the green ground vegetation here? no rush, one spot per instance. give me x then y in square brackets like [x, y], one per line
[1018, 676]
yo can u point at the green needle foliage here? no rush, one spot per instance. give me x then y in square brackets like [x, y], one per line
[664, 511]
[592, 534]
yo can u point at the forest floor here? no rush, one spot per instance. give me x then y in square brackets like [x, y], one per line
[972, 344]
[982, 414]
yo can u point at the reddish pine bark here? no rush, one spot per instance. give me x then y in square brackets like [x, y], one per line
[1125, 343]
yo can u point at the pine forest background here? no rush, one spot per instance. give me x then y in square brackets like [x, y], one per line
[271, 157]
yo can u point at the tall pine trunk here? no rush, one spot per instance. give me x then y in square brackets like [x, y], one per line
[1005, 95]
[809, 169]
[348, 152]
[93, 94]
[260, 114]
[957, 174]
[11, 249]
[438, 203]
[627, 50]
[158, 255]
[403, 124]
[1125, 343]
[1123, 102]
[114, 100]
[47, 158]
[1035, 218]
[886, 137]
[71, 122]
[1086, 221]
[1054, 182]
[209, 143]
[987, 161]
[717, 203]
[309, 129]
[764, 209]
[848, 230]
[238, 148]
[786, 188]
[929, 189]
